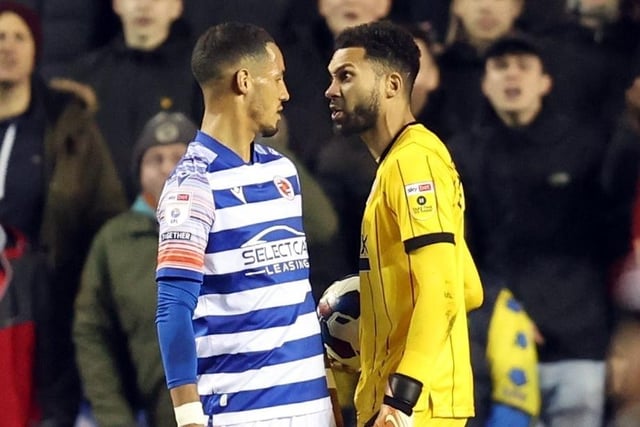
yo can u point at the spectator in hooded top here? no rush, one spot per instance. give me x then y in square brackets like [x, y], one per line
[58, 187]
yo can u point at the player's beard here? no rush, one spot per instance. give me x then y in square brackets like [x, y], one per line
[362, 118]
[6, 85]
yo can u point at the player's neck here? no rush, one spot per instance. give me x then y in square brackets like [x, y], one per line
[231, 131]
[379, 137]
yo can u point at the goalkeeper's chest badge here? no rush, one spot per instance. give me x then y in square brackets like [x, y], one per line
[421, 199]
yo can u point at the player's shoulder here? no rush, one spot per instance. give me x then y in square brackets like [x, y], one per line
[196, 150]
[191, 173]
[283, 162]
[419, 137]
[266, 154]
[417, 141]
[195, 161]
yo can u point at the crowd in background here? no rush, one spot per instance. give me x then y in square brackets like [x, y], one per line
[553, 207]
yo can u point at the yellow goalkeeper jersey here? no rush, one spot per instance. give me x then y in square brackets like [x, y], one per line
[417, 280]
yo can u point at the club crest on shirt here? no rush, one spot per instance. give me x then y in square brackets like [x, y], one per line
[421, 199]
[284, 187]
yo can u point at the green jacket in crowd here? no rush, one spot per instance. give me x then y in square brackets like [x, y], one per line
[114, 326]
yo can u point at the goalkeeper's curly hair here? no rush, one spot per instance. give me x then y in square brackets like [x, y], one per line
[388, 44]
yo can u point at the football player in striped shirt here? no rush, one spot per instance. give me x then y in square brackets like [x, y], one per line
[417, 278]
[236, 319]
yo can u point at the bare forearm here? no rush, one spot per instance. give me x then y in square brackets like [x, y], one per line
[184, 394]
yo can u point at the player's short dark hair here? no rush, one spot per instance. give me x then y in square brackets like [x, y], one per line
[225, 44]
[386, 43]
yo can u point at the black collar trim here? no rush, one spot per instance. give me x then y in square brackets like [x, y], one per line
[394, 139]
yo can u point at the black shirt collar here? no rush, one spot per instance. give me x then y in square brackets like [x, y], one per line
[394, 139]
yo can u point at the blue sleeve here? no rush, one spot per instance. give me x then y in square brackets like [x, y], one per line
[176, 303]
[503, 415]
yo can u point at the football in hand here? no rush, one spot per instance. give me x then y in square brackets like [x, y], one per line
[339, 314]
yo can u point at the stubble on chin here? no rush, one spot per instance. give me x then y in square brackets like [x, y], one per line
[339, 129]
[6, 85]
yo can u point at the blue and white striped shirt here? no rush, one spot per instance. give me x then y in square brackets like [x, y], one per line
[237, 227]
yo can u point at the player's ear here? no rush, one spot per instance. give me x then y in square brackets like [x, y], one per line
[394, 84]
[242, 81]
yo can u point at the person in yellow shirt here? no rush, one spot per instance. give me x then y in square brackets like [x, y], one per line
[417, 277]
[504, 359]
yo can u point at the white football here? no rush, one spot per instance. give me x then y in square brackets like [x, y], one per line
[339, 314]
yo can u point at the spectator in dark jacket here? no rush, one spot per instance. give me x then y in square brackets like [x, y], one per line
[59, 186]
[473, 26]
[144, 69]
[72, 28]
[538, 217]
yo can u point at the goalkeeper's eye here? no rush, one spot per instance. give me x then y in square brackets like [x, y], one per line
[345, 75]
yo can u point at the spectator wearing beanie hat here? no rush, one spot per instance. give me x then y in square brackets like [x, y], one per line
[30, 18]
[166, 129]
[114, 330]
[58, 187]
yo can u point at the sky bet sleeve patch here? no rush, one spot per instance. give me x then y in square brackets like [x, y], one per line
[421, 200]
[177, 208]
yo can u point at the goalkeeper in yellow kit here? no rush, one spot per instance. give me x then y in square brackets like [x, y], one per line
[417, 277]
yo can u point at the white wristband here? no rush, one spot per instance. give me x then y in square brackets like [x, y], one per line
[190, 413]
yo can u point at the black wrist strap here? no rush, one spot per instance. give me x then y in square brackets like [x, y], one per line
[398, 404]
[405, 392]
